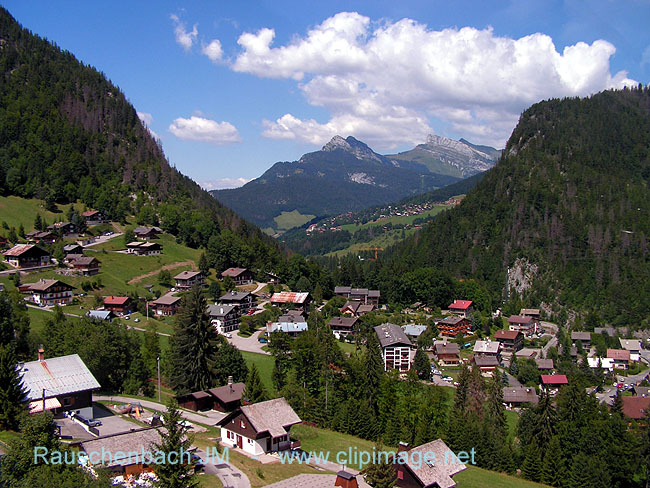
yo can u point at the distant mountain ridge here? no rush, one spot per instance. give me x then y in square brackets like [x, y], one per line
[446, 156]
[347, 175]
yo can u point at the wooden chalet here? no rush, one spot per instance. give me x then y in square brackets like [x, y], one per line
[446, 353]
[510, 340]
[526, 324]
[243, 300]
[260, 427]
[342, 326]
[119, 305]
[620, 358]
[187, 279]
[225, 318]
[93, 217]
[517, 396]
[583, 337]
[453, 325]
[356, 309]
[166, 305]
[553, 382]
[227, 398]
[299, 300]
[84, 265]
[635, 407]
[140, 248]
[49, 292]
[147, 233]
[363, 295]
[27, 256]
[430, 465]
[241, 276]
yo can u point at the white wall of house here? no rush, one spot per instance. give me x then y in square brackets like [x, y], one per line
[250, 446]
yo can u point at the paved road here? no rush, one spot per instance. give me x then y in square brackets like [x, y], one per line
[207, 418]
[101, 239]
[229, 475]
[249, 344]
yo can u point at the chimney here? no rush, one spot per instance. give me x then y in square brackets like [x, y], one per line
[230, 383]
[403, 446]
[346, 480]
[41, 353]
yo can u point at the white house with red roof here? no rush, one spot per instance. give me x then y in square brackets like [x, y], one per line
[462, 307]
[552, 382]
[620, 358]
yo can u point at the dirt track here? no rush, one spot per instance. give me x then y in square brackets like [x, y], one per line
[154, 273]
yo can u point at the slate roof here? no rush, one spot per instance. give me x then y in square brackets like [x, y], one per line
[62, 375]
[630, 344]
[187, 275]
[509, 335]
[272, 416]
[618, 354]
[486, 361]
[44, 285]
[391, 334]
[544, 363]
[519, 394]
[234, 296]
[228, 393]
[100, 314]
[131, 444]
[343, 322]
[580, 336]
[166, 299]
[288, 327]
[20, 249]
[448, 348]
[486, 347]
[414, 330]
[220, 310]
[439, 472]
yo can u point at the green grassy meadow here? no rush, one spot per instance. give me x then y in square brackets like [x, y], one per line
[264, 365]
[289, 220]
[404, 220]
[16, 211]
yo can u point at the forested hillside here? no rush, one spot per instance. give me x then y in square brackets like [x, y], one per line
[68, 134]
[567, 204]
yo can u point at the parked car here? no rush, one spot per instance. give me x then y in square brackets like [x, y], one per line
[228, 335]
[263, 340]
[447, 378]
[136, 320]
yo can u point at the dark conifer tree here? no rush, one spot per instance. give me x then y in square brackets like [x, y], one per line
[255, 391]
[12, 391]
[422, 365]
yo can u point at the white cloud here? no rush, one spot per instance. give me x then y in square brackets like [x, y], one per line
[383, 81]
[183, 37]
[213, 50]
[147, 119]
[222, 183]
[205, 130]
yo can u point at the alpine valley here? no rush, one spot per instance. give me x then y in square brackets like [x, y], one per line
[346, 175]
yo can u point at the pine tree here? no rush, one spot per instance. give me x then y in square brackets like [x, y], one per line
[230, 362]
[422, 365]
[495, 415]
[194, 346]
[532, 466]
[174, 439]
[38, 222]
[373, 369]
[553, 468]
[204, 266]
[381, 475]
[12, 391]
[255, 391]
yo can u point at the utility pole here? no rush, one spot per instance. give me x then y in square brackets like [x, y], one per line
[158, 365]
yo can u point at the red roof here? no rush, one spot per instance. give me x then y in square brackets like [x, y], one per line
[89, 213]
[510, 335]
[289, 297]
[618, 354]
[115, 300]
[554, 379]
[233, 272]
[18, 249]
[460, 305]
[635, 407]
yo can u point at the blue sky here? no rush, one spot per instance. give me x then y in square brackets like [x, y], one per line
[231, 87]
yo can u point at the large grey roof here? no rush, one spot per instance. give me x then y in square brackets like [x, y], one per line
[288, 327]
[220, 310]
[389, 334]
[59, 376]
[414, 329]
[272, 416]
[234, 296]
[487, 347]
[229, 393]
[129, 444]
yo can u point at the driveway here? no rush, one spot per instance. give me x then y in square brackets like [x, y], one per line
[229, 475]
[249, 344]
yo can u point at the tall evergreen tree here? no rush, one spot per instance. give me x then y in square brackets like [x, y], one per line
[12, 391]
[422, 365]
[194, 346]
[382, 474]
[373, 368]
[204, 266]
[554, 470]
[230, 362]
[255, 391]
[175, 441]
[532, 466]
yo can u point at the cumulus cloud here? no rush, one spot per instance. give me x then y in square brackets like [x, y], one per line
[147, 119]
[384, 81]
[213, 50]
[222, 183]
[205, 130]
[183, 37]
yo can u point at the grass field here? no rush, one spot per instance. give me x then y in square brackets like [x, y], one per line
[383, 241]
[407, 219]
[264, 365]
[16, 211]
[289, 220]
[474, 477]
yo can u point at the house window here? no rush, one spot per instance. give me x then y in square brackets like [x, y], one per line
[67, 401]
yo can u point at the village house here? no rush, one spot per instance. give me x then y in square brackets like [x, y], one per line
[187, 279]
[73, 249]
[531, 312]
[272, 278]
[544, 364]
[241, 276]
[635, 407]
[147, 233]
[528, 353]
[260, 427]
[198, 400]
[243, 300]
[166, 305]
[363, 295]
[619, 357]
[300, 300]
[356, 309]
[46, 236]
[140, 248]
[292, 316]
[603, 363]
[430, 465]
[633, 346]
[342, 326]
[446, 353]
[128, 451]
[488, 348]
[225, 318]
[49, 292]
[525, 325]
[452, 326]
[551, 383]
[413, 331]
[65, 228]
[119, 305]
[59, 384]
[93, 217]
[511, 340]
[462, 307]
[517, 396]
[84, 265]
[102, 315]
[486, 364]
[228, 397]
[27, 256]
[583, 337]
[292, 329]
[396, 349]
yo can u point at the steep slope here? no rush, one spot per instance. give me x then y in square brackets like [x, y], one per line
[567, 206]
[67, 134]
[344, 175]
[448, 157]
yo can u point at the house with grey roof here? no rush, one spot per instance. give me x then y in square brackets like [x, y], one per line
[516, 396]
[488, 348]
[243, 300]
[583, 337]
[397, 351]
[102, 315]
[260, 427]
[430, 465]
[60, 384]
[290, 328]
[225, 318]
